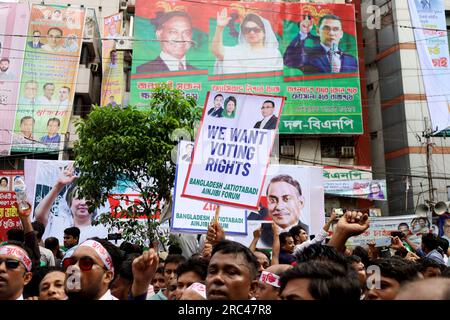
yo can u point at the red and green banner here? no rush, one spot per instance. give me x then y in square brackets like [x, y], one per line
[305, 52]
[9, 217]
[49, 74]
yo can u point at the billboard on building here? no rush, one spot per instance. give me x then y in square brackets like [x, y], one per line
[430, 30]
[49, 77]
[113, 81]
[305, 52]
[13, 29]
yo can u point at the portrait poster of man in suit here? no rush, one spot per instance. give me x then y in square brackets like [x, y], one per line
[292, 195]
[321, 46]
[174, 32]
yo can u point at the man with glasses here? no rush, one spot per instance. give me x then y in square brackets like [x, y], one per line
[269, 120]
[170, 267]
[320, 56]
[91, 269]
[15, 270]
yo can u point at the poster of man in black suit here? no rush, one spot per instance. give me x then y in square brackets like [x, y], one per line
[285, 203]
[174, 33]
[269, 120]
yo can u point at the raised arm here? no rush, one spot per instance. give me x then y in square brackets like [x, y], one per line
[144, 269]
[275, 245]
[351, 224]
[256, 237]
[217, 44]
[66, 176]
[319, 237]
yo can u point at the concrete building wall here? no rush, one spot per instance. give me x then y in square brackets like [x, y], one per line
[393, 63]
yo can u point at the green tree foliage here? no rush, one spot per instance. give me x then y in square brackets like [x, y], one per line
[134, 145]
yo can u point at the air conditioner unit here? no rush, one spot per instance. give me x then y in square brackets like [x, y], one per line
[124, 43]
[347, 152]
[94, 67]
[123, 5]
[287, 150]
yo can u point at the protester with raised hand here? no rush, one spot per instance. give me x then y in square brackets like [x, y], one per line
[144, 269]
[352, 223]
[319, 238]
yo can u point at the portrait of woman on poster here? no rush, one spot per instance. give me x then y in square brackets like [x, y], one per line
[420, 225]
[4, 184]
[72, 210]
[375, 192]
[230, 107]
[256, 51]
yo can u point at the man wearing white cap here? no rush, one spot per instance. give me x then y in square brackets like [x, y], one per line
[15, 270]
[91, 269]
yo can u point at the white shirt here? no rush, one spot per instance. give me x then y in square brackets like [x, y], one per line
[20, 298]
[47, 48]
[108, 296]
[45, 101]
[319, 238]
[172, 62]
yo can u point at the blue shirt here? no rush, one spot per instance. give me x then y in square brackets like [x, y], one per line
[55, 139]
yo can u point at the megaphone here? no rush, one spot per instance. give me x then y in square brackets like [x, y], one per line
[422, 210]
[440, 208]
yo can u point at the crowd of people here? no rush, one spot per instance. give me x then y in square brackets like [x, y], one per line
[296, 268]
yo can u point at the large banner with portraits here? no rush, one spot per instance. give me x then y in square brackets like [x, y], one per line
[193, 216]
[363, 189]
[113, 82]
[13, 29]
[232, 148]
[293, 195]
[305, 52]
[49, 76]
[381, 228]
[9, 217]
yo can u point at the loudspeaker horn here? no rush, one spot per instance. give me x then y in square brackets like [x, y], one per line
[422, 210]
[440, 208]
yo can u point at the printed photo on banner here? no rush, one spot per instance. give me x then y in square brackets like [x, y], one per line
[194, 216]
[323, 42]
[180, 39]
[410, 226]
[285, 49]
[113, 81]
[55, 200]
[48, 80]
[233, 148]
[243, 41]
[14, 19]
[9, 217]
[364, 189]
[292, 196]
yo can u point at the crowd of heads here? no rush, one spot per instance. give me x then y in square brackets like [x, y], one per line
[97, 269]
